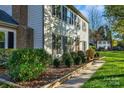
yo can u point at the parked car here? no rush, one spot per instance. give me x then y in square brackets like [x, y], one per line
[118, 48]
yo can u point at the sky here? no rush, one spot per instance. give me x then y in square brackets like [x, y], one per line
[83, 9]
[6, 8]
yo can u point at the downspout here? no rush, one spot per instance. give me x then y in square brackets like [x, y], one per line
[42, 10]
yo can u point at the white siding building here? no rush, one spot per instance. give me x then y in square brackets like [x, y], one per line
[56, 28]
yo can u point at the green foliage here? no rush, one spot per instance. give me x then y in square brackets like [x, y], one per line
[67, 59]
[27, 64]
[90, 53]
[74, 55]
[82, 55]
[121, 43]
[93, 47]
[115, 15]
[97, 55]
[77, 60]
[4, 56]
[110, 75]
[56, 62]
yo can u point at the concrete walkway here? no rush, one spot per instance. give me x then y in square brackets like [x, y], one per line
[80, 79]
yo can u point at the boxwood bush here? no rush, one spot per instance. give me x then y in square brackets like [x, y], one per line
[67, 59]
[28, 64]
[4, 56]
[97, 55]
[74, 55]
[82, 55]
[78, 60]
[56, 62]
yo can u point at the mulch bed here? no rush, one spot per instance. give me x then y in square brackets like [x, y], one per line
[49, 76]
[2, 70]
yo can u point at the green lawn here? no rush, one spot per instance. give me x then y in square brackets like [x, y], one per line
[111, 74]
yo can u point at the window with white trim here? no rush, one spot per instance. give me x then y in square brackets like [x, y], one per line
[7, 39]
[2, 40]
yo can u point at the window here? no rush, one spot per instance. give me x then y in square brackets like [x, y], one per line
[104, 42]
[10, 40]
[68, 16]
[7, 39]
[72, 15]
[56, 11]
[64, 13]
[2, 40]
[78, 23]
[84, 45]
[75, 20]
[56, 43]
[83, 26]
[71, 18]
[67, 43]
[99, 42]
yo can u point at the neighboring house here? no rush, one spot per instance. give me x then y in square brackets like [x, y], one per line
[56, 28]
[103, 44]
[104, 38]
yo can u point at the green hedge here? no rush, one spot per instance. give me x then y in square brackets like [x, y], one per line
[56, 62]
[28, 64]
[82, 55]
[67, 59]
[4, 56]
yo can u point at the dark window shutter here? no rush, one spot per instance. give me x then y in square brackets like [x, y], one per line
[10, 40]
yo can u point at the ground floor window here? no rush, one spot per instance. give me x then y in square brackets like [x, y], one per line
[56, 43]
[2, 40]
[84, 45]
[7, 39]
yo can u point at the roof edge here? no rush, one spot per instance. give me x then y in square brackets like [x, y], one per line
[8, 24]
[77, 12]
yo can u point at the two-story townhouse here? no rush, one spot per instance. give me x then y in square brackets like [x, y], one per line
[56, 28]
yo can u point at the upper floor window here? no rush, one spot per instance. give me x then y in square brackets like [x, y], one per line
[56, 11]
[78, 23]
[71, 19]
[99, 42]
[64, 14]
[68, 16]
[75, 19]
[83, 26]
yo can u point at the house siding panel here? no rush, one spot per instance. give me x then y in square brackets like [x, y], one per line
[35, 20]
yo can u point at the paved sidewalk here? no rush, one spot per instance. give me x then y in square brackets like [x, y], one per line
[80, 79]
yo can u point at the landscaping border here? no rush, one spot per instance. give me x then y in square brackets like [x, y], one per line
[61, 80]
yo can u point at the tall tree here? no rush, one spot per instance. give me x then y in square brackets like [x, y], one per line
[115, 16]
[95, 17]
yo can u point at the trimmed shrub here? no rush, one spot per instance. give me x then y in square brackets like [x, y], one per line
[90, 53]
[77, 60]
[67, 59]
[28, 64]
[56, 62]
[4, 56]
[82, 55]
[74, 55]
[97, 55]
